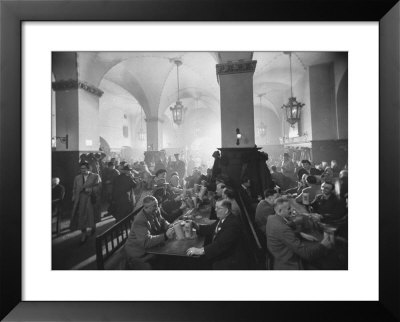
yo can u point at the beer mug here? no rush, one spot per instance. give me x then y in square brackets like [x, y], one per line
[188, 229]
[306, 198]
[179, 231]
[194, 199]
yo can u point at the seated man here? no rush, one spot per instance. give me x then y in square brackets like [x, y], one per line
[279, 178]
[148, 229]
[160, 177]
[265, 208]
[226, 250]
[328, 205]
[286, 249]
[170, 202]
[309, 193]
[193, 179]
[229, 194]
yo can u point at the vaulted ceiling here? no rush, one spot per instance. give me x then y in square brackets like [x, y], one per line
[149, 79]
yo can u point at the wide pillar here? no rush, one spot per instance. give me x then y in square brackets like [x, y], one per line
[235, 77]
[324, 118]
[77, 111]
[236, 95]
[154, 133]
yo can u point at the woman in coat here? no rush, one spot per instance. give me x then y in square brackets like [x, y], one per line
[85, 196]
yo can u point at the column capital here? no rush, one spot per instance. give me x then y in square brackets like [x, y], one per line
[236, 67]
[65, 85]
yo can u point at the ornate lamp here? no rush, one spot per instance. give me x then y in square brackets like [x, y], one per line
[293, 107]
[178, 109]
[261, 129]
[141, 132]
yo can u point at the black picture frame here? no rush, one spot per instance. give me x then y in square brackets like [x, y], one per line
[13, 13]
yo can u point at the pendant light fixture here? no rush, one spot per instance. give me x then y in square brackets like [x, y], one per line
[293, 107]
[178, 109]
[261, 127]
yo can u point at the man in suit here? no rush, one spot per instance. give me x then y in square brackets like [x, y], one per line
[328, 205]
[85, 196]
[286, 249]
[226, 250]
[149, 229]
[123, 196]
[264, 209]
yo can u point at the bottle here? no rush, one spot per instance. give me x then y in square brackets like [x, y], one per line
[305, 197]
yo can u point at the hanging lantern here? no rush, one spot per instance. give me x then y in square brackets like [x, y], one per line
[261, 128]
[177, 112]
[293, 107]
[178, 109]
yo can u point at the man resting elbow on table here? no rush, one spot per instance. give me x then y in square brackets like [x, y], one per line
[288, 250]
[226, 250]
[148, 229]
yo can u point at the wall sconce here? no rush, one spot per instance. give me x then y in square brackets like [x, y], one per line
[61, 139]
[238, 136]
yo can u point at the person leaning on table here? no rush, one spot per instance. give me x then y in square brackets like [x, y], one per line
[148, 229]
[226, 251]
[286, 249]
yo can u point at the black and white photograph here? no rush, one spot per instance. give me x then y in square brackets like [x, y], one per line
[198, 154]
[199, 160]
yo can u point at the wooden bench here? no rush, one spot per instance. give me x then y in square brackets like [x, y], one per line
[260, 257]
[109, 244]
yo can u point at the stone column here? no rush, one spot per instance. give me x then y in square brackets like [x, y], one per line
[77, 108]
[235, 78]
[237, 107]
[154, 133]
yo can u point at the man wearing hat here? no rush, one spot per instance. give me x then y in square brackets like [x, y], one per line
[123, 193]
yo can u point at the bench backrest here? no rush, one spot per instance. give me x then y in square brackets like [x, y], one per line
[113, 239]
[253, 241]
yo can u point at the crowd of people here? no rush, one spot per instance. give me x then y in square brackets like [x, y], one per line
[320, 190]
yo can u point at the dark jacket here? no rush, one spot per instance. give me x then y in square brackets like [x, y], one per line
[226, 250]
[331, 209]
[123, 196]
[287, 250]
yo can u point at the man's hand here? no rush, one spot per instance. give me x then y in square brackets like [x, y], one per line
[170, 233]
[328, 241]
[193, 251]
[195, 225]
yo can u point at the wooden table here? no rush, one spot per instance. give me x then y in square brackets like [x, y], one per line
[172, 253]
[176, 247]
[200, 216]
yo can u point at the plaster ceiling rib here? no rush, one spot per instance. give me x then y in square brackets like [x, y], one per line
[159, 110]
[271, 106]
